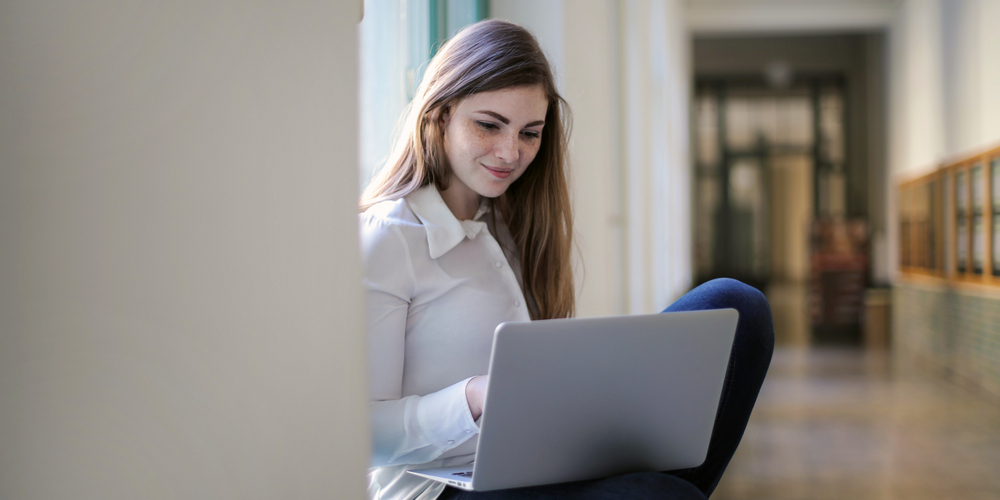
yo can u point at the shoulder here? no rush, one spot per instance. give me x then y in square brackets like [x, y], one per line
[389, 226]
[389, 231]
[386, 216]
[389, 212]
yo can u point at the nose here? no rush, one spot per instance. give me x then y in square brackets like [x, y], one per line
[506, 148]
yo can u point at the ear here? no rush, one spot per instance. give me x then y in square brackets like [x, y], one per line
[444, 118]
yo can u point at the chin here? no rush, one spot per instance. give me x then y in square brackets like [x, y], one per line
[493, 189]
[492, 193]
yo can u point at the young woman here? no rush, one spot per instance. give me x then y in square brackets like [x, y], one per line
[468, 226]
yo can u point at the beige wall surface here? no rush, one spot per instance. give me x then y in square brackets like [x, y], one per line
[179, 270]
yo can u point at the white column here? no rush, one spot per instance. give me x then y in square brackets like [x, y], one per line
[591, 78]
[655, 140]
[675, 227]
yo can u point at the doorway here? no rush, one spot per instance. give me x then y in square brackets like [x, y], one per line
[770, 170]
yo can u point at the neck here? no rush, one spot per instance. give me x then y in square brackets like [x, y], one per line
[462, 201]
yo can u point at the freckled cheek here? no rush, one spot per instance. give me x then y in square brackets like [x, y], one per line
[477, 142]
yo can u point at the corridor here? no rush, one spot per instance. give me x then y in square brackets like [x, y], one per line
[836, 423]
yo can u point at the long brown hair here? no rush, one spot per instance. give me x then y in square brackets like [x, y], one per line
[487, 56]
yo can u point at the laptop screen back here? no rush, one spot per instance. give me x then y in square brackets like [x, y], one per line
[585, 398]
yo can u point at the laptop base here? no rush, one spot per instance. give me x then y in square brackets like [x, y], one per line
[458, 476]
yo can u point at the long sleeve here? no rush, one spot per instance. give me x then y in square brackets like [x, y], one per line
[415, 428]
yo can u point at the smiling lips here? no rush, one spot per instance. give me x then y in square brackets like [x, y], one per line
[499, 173]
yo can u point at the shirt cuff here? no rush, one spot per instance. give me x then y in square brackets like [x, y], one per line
[445, 418]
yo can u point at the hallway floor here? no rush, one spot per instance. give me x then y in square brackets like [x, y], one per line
[847, 424]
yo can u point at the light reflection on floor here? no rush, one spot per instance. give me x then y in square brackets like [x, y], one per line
[850, 424]
[842, 423]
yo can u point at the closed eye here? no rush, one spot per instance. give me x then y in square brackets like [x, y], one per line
[531, 134]
[488, 125]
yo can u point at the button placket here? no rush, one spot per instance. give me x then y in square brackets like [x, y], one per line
[512, 284]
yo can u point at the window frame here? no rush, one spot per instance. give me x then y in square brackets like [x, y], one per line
[929, 223]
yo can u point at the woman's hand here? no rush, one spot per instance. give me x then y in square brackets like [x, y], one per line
[475, 394]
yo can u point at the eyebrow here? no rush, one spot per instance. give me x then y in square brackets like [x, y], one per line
[505, 121]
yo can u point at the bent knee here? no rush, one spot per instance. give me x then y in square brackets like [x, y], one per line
[728, 292]
[755, 312]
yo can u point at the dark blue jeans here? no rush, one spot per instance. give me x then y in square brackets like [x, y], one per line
[748, 364]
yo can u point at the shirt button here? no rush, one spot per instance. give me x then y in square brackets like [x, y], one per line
[517, 303]
[451, 442]
[468, 432]
[499, 264]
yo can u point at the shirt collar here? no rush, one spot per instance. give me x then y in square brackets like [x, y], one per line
[444, 231]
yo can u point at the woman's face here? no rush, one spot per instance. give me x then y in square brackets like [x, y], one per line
[491, 138]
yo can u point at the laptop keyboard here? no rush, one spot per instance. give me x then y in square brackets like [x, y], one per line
[463, 474]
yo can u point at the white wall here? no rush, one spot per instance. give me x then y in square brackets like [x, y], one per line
[656, 75]
[179, 272]
[971, 55]
[591, 77]
[544, 18]
[989, 69]
[944, 88]
[944, 81]
[916, 88]
[629, 144]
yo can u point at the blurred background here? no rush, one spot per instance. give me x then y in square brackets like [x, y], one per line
[814, 149]
[180, 305]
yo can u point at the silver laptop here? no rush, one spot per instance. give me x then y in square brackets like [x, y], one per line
[575, 399]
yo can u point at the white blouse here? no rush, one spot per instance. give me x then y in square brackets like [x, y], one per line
[437, 288]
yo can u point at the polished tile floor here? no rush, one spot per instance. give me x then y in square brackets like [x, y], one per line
[840, 423]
